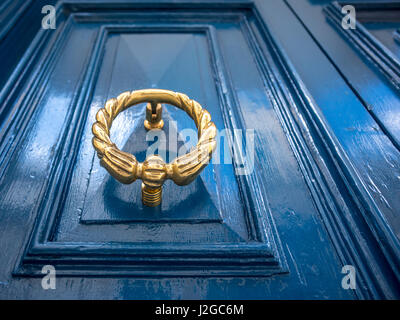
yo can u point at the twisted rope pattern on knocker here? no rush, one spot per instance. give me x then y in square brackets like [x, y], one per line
[153, 171]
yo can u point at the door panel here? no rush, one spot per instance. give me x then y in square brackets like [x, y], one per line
[283, 230]
[366, 128]
[209, 220]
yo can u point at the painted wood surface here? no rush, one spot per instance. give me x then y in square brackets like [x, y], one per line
[315, 201]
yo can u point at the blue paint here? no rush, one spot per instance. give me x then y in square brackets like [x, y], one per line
[282, 232]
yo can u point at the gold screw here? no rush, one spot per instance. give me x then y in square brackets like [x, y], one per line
[151, 197]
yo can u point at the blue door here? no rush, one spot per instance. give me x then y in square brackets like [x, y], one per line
[301, 199]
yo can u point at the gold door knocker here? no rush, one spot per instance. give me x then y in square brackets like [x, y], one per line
[153, 171]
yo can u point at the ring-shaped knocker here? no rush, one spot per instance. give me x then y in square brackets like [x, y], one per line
[153, 171]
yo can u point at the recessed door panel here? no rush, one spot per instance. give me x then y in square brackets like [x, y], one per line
[215, 225]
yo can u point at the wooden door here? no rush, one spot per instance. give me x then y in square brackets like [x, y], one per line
[323, 182]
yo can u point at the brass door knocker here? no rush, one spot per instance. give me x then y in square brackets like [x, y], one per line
[153, 171]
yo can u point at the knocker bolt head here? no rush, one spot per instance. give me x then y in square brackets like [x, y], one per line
[153, 116]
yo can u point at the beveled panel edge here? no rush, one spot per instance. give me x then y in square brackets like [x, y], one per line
[365, 43]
